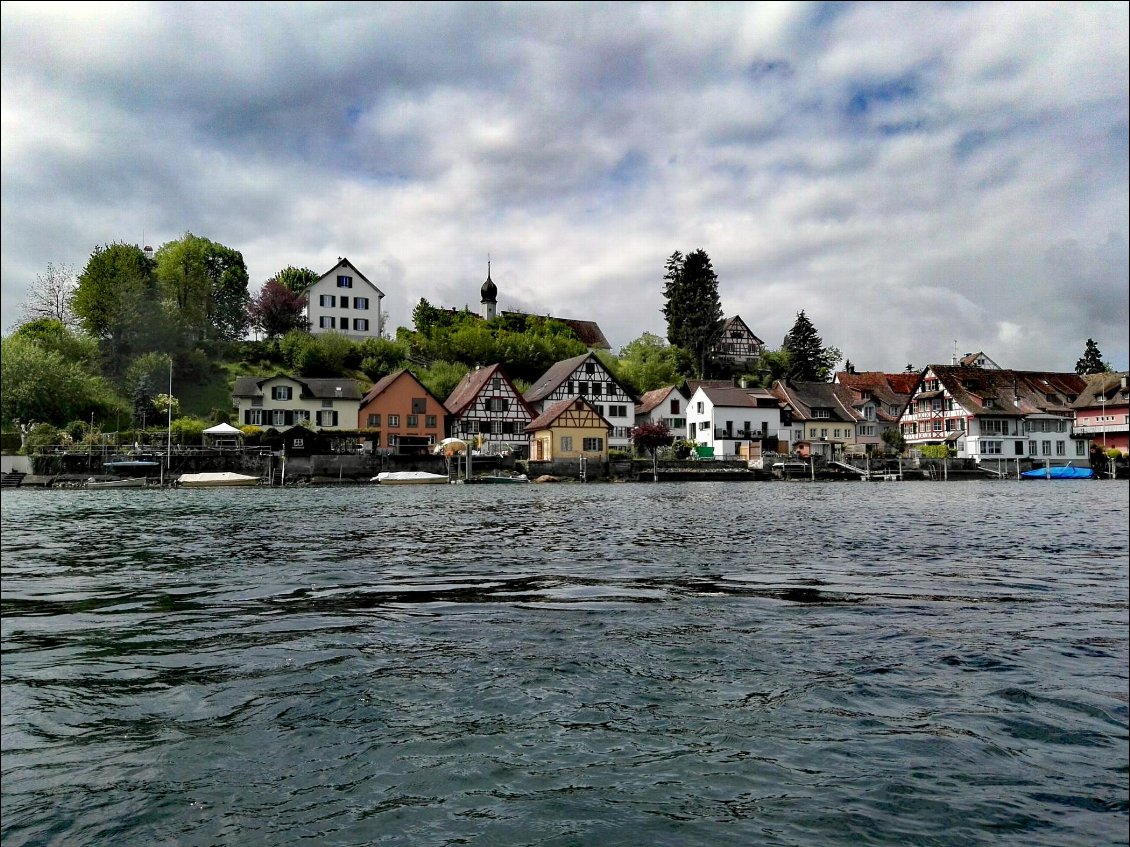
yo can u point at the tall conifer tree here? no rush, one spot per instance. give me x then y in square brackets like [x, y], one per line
[693, 309]
[809, 359]
[1092, 361]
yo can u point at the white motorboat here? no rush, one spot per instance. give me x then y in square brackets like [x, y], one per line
[128, 482]
[216, 479]
[410, 478]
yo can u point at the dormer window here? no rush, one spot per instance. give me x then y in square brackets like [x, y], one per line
[345, 282]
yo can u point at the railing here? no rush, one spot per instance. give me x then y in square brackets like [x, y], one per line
[739, 433]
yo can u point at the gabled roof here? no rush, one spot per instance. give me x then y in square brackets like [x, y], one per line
[1104, 390]
[730, 396]
[345, 263]
[547, 418]
[887, 389]
[552, 379]
[1007, 392]
[653, 398]
[385, 382]
[318, 389]
[803, 397]
[472, 385]
[737, 323]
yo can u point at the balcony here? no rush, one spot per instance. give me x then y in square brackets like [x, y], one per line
[739, 434]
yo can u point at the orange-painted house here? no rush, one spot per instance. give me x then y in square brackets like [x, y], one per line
[399, 415]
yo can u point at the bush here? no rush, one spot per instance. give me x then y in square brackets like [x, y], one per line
[682, 449]
[10, 442]
[41, 438]
[188, 431]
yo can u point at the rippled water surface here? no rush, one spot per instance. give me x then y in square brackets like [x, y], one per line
[672, 664]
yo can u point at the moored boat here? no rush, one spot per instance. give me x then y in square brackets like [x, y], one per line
[1064, 472]
[217, 479]
[128, 482]
[410, 478]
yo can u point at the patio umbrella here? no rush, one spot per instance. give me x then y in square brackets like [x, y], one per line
[450, 446]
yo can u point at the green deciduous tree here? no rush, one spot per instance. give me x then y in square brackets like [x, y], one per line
[649, 362]
[809, 359]
[41, 384]
[296, 280]
[1091, 361]
[205, 284]
[114, 303]
[692, 309]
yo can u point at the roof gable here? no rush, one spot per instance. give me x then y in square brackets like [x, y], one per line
[559, 410]
[345, 264]
[558, 373]
[387, 381]
[463, 396]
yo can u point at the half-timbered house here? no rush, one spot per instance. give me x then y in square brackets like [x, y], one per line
[485, 404]
[568, 430]
[585, 376]
[737, 346]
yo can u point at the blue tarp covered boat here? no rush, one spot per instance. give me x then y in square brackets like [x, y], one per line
[1066, 472]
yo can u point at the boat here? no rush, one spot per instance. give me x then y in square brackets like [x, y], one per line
[501, 479]
[410, 478]
[216, 480]
[128, 482]
[1064, 472]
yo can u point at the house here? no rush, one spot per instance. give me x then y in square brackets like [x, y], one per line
[486, 404]
[586, 376]
[343, 300]
[823, 421]
[996, 414]
[282, 401]
[667, 406]
[1101, 411]
[737, 346]
[734, 422]
[879, 398]
[571, 429]
[977, 360]
[401, 415]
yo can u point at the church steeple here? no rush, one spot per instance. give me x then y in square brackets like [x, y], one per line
[489, 293]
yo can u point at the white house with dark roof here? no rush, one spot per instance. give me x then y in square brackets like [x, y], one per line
[283, 401]
[667, 406]
[343, 300]
[586, 376]
[732, 420]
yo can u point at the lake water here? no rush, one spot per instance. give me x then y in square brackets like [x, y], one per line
[673, 664]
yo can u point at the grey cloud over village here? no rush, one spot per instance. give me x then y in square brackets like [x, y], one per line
[913, 176]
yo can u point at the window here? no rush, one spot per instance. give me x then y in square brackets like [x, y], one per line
[297, 444]
[590, 367]
[326, 322]
[1060, 448]
[281, 392]
[301, 415]
[496, 383]
[584, 389]
[674, 407]
[703, 425]
[1032, 447]
[509, 427]
[327, 404]
[836, 433]
[254, 417]
[618, 411]
[374, 421]
[698, 407]
[393, 421]
[597, 389]
[599, 408]
[566, 442]
[1019, 446]
[593, 445]
[361, 324]
[327, 418]
[1045, 448]
[821, 413]
[256, 401]
[823, 433]
[570, 388]
[430, 421]
[992, 448]
[812, 432]
[937, 425]
[496, 404]
[1080, 448]
[278, 417]
[360, 302]
[419, 405]
[345, 302]
[345, 282]
[327, 300]
[412, 421]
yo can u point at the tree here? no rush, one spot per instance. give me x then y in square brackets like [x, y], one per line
[693, 310]
[50, 297]
[1092, 361]
[649, 362]
[51, 334]
[894, 439]
[277, 310]
[650, 437]
[297, 280]
[114, 304]
[809, 359]
[205, 284]
[41, 384]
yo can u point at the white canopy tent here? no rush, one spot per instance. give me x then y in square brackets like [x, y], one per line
[223, 435]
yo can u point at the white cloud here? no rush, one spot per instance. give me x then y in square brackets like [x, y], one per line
[908, 174]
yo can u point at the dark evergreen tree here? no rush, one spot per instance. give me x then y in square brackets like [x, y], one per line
[693, 309]
[809, 359]
[1092, 361]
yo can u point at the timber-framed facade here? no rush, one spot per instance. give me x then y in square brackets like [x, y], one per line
[585, 376]
[485, 406]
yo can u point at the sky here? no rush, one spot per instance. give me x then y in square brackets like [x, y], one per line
[921, 179]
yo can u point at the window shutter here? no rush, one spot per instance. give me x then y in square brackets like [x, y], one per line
[334, 419]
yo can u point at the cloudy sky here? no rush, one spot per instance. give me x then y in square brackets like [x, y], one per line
[914, 176]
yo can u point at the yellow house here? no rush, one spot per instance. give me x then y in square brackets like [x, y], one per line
[569, 430]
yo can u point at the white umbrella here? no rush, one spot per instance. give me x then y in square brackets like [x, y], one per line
[450, 446]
